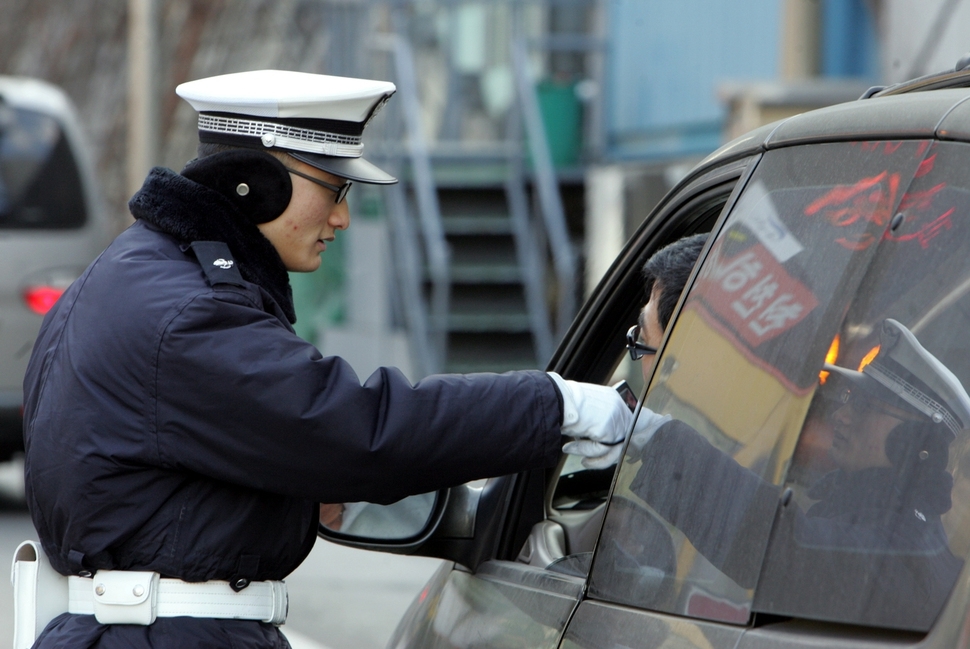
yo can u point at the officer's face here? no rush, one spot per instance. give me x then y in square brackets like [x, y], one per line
[311, 219]
[860, 428]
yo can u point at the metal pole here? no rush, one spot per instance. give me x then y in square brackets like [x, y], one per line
[142, 95]
[429, 211]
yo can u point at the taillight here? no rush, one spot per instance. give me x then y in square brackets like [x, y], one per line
[41, 299]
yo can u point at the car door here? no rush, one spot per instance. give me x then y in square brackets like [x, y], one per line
[521, 571]
[716, 534]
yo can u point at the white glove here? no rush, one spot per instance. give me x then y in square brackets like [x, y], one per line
[598, 416]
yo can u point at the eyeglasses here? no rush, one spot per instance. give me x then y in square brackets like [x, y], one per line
[339, 190]
[636, 348]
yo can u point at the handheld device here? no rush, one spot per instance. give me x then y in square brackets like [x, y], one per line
[627, 393]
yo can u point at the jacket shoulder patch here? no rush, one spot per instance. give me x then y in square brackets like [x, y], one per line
[217, 263]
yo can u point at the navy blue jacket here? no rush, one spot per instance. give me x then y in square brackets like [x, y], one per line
[175, 423]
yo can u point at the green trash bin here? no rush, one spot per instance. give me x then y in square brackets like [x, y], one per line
[562, 115]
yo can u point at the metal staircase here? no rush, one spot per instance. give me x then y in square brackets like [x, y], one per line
[484, 268]
[488, 321]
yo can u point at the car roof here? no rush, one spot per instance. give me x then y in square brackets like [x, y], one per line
[35, 94]
[935, 106]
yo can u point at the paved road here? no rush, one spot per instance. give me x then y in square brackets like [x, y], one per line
[340, 598]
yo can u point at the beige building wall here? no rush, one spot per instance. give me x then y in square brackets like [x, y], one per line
[918, 37]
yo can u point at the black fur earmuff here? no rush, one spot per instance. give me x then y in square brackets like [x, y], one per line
[918, 443]
[255, 182]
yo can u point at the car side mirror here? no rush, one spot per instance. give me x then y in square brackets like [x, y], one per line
[399, 526]
[404, 526]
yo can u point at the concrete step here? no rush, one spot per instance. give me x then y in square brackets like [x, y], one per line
[473, 202]
[485, 273]
[484, 308]
[489, 322]
[488, 307]
[476, 352]
[482, 250]
[477, 225]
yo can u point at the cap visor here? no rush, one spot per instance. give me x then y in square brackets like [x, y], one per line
[356, 169]
[872, 387]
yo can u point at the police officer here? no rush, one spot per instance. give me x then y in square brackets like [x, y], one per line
[179, 435]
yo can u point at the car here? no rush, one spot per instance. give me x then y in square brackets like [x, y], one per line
[52, 225]
[834, 235]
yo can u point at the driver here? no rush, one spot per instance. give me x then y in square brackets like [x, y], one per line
[665, 275]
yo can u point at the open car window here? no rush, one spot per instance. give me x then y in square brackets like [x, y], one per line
[576, 501]
[813, 252]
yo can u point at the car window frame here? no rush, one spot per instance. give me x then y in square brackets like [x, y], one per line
[656, 230]
[683, 210]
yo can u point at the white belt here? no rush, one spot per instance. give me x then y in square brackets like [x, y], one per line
[110, 595]
[128, 597]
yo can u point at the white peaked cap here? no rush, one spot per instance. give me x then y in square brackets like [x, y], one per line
[317, 118]
[282, 93]
[905, 371]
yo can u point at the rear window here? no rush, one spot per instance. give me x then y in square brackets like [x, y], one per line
[40, 186]
[817, 460]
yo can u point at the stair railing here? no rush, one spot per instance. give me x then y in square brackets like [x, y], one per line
[407, 263]
[553, 216]
[529, 245]
[428, 326]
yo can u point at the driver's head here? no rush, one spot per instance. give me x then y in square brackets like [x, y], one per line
[902, 410]
[665, 275]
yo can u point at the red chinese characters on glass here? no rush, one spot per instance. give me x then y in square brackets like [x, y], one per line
[754, 294]
[924, 221]
[864, 209]
[855, 207]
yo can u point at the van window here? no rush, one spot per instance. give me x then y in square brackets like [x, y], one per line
[40, 185]
[738, 383]
[877, 521]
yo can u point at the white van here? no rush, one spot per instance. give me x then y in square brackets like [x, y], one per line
[52, 225]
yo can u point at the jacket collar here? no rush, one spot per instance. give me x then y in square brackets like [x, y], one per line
[191, 212]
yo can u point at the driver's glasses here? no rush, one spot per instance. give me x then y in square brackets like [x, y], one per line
[636, 348]
[339, 190]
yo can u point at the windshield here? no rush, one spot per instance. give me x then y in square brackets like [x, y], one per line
[811, 461]
[40, 187]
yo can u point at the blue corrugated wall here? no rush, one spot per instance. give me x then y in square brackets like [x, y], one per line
[667, 58]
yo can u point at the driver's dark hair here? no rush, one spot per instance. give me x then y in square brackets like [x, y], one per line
[668, 270]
